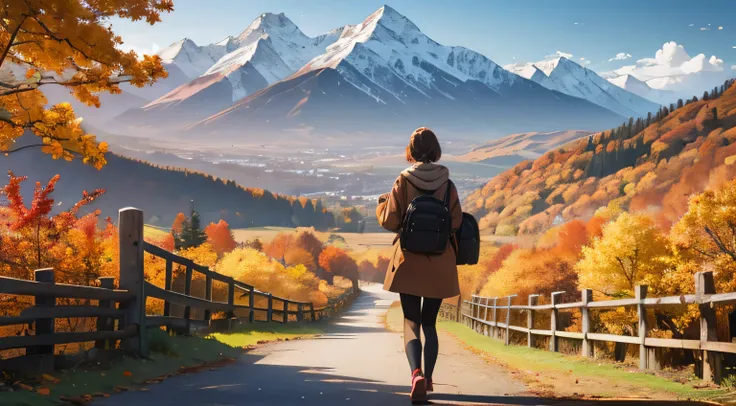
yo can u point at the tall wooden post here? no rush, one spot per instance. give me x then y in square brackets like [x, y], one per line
[208, 295]
[508, 320]
[553, 340]
[188, 292]
[712, 361]
[130, 223]
[587, 295]
[230, 299]
[533, 300]
[495, 318]
[459, 308]
[311, 310]
[485, 328]
[44, 326]
[641, 294]
[269, 312]
[251, 305]
[167, 286]
[285, 318]
[299, 312]
[105, 323]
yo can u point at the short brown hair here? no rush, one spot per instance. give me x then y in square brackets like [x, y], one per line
[423, 146]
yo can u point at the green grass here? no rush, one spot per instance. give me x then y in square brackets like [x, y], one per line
[267, 332]
[554, 364]
[169, 353]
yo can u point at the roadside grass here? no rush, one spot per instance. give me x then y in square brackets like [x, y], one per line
[567, 375]
[555, 374]
[169, 355]
[267, 332]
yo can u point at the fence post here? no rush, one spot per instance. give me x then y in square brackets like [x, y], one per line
[167, 286]
[484, 327]
[105, 323]
[641, 294]
[300, 312]
[208, 295]
[459, 309]
[711, 361]
[130, 223]
[251, 305]
[553, 341]
[495, 318]
[508, 320]
[311, 310]
[285, 318]
[269, 312]
[188, 292]
[587, 295]
[44, 326]
[230, 301]
[533, 300]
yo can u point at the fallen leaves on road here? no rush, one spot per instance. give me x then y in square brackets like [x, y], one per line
[50, 379]
[78, 401]
[43, 391]
[127, 373]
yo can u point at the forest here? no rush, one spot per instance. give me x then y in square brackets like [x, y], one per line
[161, 192]
[641, 204]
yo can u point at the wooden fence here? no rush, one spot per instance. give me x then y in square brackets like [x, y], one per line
[482, 314]
[121, 313]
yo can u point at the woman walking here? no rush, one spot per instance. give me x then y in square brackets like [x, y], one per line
[421, 278]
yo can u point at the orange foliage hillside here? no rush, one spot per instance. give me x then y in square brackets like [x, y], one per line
[637, 167]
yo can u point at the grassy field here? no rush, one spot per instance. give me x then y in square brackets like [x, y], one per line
[172, 355]
[555, 374]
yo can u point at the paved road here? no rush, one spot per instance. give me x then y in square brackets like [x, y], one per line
[357, 362]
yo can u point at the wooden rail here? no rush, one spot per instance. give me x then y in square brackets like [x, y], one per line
[475, 313]
[121, 314]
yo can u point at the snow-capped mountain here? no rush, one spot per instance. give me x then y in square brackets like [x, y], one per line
[638, 87]
[381, 76]
[566, 76]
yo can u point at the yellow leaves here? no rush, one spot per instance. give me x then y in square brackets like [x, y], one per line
[78, 51]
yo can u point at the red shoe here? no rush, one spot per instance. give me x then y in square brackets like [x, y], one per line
[418, 388]
[430, 387]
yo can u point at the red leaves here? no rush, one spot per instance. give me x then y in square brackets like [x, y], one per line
[220, 236]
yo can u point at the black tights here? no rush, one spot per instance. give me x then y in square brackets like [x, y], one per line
[424, 315]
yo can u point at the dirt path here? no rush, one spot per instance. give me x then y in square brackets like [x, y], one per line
[357, 363]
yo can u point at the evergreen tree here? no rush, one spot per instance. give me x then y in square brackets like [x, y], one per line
[705, 95]
[714, 115]
[191, 234]
[679, 103]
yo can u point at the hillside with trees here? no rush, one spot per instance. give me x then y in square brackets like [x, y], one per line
[162, 192]
[653, 163]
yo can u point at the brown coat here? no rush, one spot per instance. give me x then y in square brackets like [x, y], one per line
[411, 273]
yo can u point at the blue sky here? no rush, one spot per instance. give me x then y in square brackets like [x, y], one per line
[506, 31]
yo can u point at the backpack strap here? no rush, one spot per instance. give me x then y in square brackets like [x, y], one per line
[448, 194]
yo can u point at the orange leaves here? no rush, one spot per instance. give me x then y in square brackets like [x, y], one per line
[337, 262]
[43, 391]
[220, 237]
[178, 222]
[79, 52]
[127, 374]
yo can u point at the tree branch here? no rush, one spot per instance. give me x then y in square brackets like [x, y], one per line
[720, 244]
[12, 38]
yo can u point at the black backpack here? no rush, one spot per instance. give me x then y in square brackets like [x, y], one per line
[468, 241]
[427, 225]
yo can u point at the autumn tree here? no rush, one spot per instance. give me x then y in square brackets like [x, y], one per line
[220, 237]
[66, 43]
[191, 233]
[631, 251]
[336, 262]
[708, 231]
[178, 222]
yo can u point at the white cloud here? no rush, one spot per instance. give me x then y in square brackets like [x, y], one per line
[621, 56]
[584, 61]
[141, 50]
[560, 54]
[704, 29]
[691, 25]
[720, 28]
[733, 67]
[672, 68]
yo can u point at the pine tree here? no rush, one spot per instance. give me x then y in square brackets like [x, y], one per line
[705, 95]
[714, 115]
[191, 234]
[679, 103]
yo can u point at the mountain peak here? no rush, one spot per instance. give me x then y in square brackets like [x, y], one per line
[391, 19]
